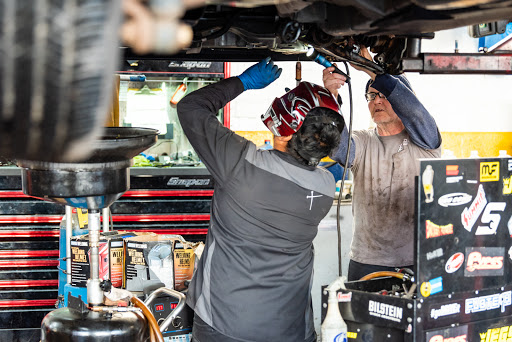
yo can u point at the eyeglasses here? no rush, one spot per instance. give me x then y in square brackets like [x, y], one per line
[371, 96]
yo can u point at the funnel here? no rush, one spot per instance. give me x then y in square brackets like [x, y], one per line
[94, 183]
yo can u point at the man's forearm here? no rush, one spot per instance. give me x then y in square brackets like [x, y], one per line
[418, 122]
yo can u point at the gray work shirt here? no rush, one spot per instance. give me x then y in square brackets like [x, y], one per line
[384, 168]
[253, 282]
[383, 204]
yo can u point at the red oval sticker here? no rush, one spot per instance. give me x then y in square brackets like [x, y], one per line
[454, 263]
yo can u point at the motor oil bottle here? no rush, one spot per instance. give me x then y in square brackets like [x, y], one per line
[180, 92]
[334, 328]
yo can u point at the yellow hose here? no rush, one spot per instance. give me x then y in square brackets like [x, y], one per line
[154, 329]
[383, 274]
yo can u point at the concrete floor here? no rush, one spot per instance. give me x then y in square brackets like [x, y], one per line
[326, 254]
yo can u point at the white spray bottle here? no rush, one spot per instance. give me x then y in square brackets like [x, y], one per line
[334, 328]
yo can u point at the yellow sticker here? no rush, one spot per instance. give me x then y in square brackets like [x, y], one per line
[351, 335]
[425, 289]
[490, 171]
[82, 217]
[507, 186]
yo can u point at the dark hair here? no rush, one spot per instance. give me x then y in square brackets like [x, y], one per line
[318, 136]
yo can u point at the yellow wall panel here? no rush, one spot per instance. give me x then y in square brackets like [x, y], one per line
[487, 144]
[257, 137]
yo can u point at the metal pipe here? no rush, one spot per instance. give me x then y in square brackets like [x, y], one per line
[106, 219]
[69, 233]
[181, 303]
[94, 292]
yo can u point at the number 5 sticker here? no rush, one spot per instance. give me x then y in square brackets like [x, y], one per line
[492, 219]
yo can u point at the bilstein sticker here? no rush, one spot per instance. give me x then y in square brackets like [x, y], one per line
[490, 171]
[385, 311]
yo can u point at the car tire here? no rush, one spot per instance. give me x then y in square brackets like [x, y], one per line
[57, 61]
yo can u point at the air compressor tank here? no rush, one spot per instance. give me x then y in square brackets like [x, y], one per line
[71, 325]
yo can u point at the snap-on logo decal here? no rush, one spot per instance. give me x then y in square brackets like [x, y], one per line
[454, 263]
[492, 217]
[187, 182]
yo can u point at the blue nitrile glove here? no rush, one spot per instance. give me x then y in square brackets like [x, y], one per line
[260, 75]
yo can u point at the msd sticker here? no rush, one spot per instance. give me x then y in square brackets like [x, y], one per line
[456, 334]
[454, 263]
[484, 261]
[490, 171]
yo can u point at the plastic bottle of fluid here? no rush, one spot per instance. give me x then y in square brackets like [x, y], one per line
[334, 328]
[503, 154]
[266, 146]
[448, 154]
[428, 187]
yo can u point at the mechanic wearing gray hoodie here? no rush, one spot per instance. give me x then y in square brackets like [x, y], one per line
[253, 281]
[384, 162]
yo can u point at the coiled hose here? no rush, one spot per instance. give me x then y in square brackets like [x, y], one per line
[154, 329]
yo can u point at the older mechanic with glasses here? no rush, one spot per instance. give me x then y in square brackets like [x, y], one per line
[384, 162]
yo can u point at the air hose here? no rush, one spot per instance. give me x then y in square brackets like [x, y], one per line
[338, 224]
[385, 274]
[154, 330]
